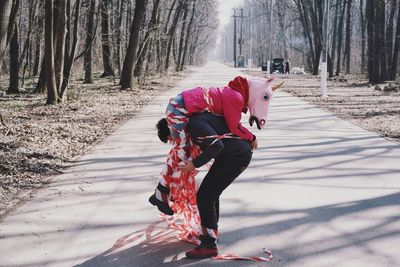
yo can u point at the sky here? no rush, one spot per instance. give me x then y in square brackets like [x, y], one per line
[225, 10]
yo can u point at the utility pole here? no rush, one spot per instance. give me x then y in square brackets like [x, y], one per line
[270, 39]
[241, 33]
[235, 15]
[226, 47]
[235, 57]
[234, 37]
[324, 48]
[251, 38]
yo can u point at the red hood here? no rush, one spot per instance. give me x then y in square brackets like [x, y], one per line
[240, 84]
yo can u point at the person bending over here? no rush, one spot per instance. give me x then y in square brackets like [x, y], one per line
[231, 156]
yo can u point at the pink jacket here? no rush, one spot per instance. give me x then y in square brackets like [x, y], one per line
[223, 101]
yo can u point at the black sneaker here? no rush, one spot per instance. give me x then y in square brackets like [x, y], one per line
[162, 206]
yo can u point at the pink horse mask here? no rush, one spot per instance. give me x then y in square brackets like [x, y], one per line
[260, 96]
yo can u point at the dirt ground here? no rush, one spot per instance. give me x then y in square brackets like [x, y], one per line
[37, 141]
[350, 98]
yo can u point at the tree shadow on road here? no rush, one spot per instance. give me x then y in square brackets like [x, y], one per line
[304, 222]
[155, 245]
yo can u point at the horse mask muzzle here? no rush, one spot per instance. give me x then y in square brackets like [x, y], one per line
[260, 96]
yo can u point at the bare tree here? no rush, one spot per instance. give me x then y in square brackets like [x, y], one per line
[348, 36]
[118, 34]
[148, 38]
[49, 54]
[90, 33]
[187, 37]
[27, 47]
[105, 36]
[363, 38]
[340, 38]
[59, 36]
[396, 48]
[38, 41]
[8, 14]
[14, 64]
[131, 53]
[172, 30]
[71, 57]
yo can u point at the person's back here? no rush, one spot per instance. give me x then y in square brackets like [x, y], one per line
[206, 124]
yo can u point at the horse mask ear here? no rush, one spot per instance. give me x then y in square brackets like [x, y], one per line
[277, 86]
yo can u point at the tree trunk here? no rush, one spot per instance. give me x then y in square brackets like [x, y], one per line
[49, 54]
[348, 36]
[71, 58]
[8, 14]
[340, 39]
[389, 33]
[281, 18]
[67, 49]
[38, 39]
[128, 23]
[5, 12]
[188, 30]
[60, 7]
[303, 14]
[88, 60]
[105, 37]
[149, 36]
[41, 84]
[182, 38]
[396, 48]
[119, 35]
[171, 32]
[131, 53]
[363, 38]
[374, 18]
[169, 16]
[382, 40]
[24, 58]
[330, 66]
[14, 64]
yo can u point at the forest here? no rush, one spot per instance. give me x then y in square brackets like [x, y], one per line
[56, 42]
[363, 35]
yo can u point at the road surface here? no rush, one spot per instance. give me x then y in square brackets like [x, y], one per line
[319, 192]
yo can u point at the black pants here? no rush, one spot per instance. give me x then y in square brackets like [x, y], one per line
[222, 173]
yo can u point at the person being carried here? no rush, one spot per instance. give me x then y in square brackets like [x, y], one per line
[240, 95]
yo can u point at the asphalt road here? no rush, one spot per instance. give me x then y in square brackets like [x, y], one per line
[319, 192]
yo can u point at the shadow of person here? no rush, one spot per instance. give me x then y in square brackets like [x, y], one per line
[154, 245]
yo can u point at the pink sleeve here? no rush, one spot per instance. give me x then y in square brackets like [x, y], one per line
[232, 108]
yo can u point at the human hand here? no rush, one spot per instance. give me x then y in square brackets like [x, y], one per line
[187, 166]
[254, 144]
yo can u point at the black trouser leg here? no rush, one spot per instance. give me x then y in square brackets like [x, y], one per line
[221, 174]
[217, 208]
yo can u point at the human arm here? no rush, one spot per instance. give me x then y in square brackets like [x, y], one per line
[197, 127]
[232, 108]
